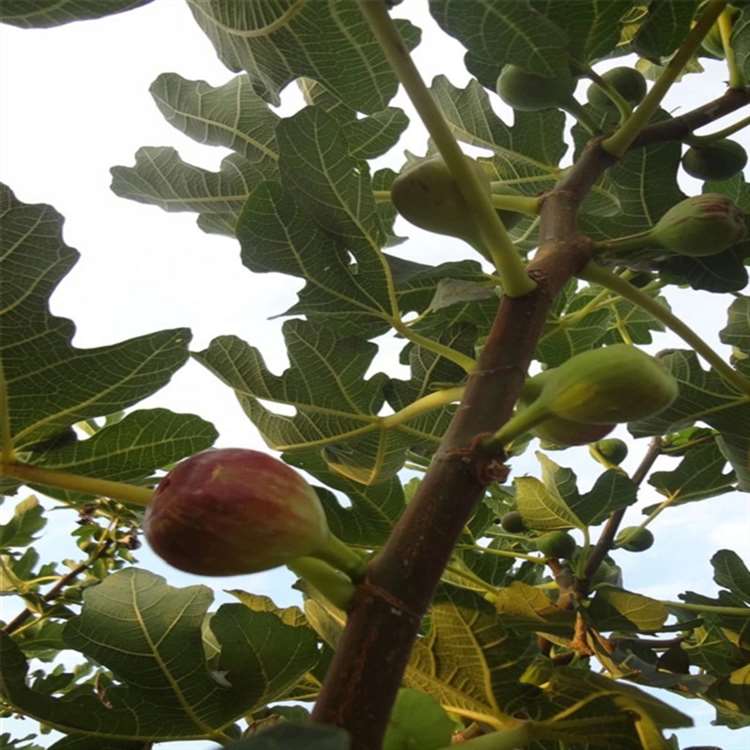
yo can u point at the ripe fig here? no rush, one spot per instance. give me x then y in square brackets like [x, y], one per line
[718, 160]
[530, 92]
[628, 82]
[613, 449]
[556, 544]
[513, 522]
[634, 539]
[231, 511]
[699, 226]
[428, 196]
[556, 430]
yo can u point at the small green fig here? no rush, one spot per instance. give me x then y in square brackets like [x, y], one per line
[530, 92]
[556, 544]
[718, 160]
[613, 449]
[513, 522]
[556, 430]
[628, 82]
[231, 511]
[428, 196]
[699, 226]
[634, 539]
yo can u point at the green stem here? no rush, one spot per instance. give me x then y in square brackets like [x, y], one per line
[516, 282]
[7, 454]
[620, 141]
[332, 584]
[736, 79]
[705, 140]
[600, 275]
[520, 204]
[709, 608]
[521, 422]
[465, 362]
[343, 558]
[575, 108]
[420, 406]
[505, 739]
[626, 244]
[126, 493]
[623, 106]
[662, 506]
[502, 553]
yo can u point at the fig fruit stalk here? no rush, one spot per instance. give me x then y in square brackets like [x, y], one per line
[232, 511]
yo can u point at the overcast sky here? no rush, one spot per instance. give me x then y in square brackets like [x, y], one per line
[75, 102]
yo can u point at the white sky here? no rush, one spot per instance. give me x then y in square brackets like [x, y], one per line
[75, 102]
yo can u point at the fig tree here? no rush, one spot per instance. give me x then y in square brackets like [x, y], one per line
[556, 544]
[718, 160]
[634, 539]
[513, 522]
[699, 226]
[428, 196]
[613, 449]
[530, 92]
[231, 511]
[628, 82]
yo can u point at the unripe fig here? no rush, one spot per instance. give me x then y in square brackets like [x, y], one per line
[428, 196]
[718, 160]
[557, 430]
[530, 92]
[617, 383]
[699, 226]
[628, 82]
[613, 449]
[513, 522]
[556, 544]
[231, 511]
[634, 539]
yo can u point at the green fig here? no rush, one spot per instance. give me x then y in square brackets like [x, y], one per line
[628, 82]
[427, 195]
[513, 522]
[613, 449]
[718, 160]
[556, 430]
[556, 544]
[530, 92]
[699, 226]
[232, 511]
[634, 539]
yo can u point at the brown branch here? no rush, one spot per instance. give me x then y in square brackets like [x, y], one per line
[604, 543]
[55, 591]
[372, 654]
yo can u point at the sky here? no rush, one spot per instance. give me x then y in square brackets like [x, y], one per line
[75, 101]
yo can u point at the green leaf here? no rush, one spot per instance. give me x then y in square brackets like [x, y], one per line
[731, 694]
[149, 635]
[541, 503]
[698, 476]
[53, 384]
[617, 609]
[42, 14]
[737, 331]
[497, 33]
[528, 609]
[664, 28]
[417, 722]
[731, 573]
[232, 115]
[132, 449]
[469, 660]
[293, 736]
[705, 397]
[28, 518]
[329, 42]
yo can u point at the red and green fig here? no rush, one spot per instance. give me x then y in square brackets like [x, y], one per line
[699, 226]
[427, 195]
[556, 544]
[232, 511]
[717, 160]
[628, 82]
[530, 92]
[634, 539]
